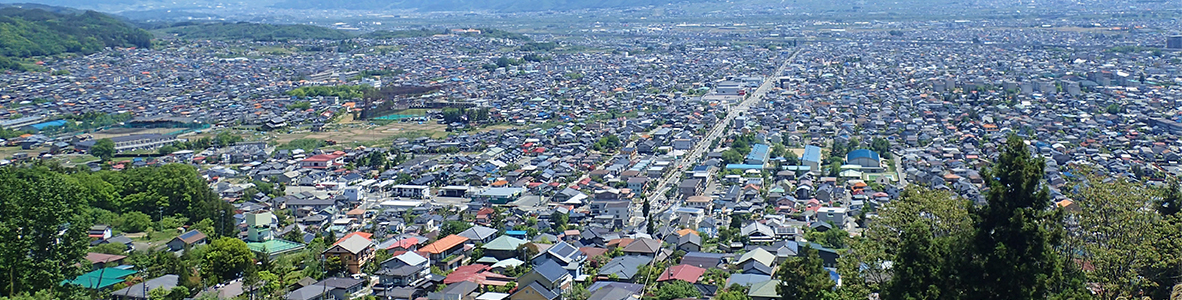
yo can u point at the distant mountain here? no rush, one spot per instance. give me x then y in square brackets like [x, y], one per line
[26, 32]
[464, 5]
[251, 32]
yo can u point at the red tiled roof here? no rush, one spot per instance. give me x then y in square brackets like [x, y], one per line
[322, 157]
[685, 273]
[593, 252]
[466, 273]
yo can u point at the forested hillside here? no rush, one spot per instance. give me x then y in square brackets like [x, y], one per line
[252, 32]
[32, 32]
[35, 32]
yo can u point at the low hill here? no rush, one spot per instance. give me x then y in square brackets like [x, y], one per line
[457, 5]
[28, 32]
[251, 31]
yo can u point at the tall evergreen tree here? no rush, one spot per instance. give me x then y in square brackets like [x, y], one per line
[1017, 231]
[646, 208]
[920, 270]
[804, 277]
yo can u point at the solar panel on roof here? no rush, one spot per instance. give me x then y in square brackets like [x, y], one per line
[188, 235]
[563, 249]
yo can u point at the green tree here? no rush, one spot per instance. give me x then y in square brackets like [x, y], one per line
[227, 258]
[334, 265]
[1167, 245]
[881, 146]
[1114, 109]
[270, 283]
[166, 150]
[735, 292]
[868, 264]
[453, 227]
[675, 289]
[1116, 234]
[135, 222]
[804, 277]
[1016, 232]
[560, 219]
[732, 157]
[103, 149]
[176, 293]
[920, 270]
[42, 234]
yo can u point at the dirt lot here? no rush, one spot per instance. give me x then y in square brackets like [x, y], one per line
[368, 134]
[116, 132]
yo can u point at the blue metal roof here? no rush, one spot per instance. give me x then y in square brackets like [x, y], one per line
[811, 153]
[758, 152]
[744, 167]
[861, 153]
[55, 123]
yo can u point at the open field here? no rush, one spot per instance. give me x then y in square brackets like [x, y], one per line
[369, 134]
[117, 132]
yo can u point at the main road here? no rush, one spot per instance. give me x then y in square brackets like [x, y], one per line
[660, 203]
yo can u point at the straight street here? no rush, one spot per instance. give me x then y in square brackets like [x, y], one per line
[662, 204]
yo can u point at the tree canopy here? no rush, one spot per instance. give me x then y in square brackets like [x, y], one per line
[37, 32]
[43, 233]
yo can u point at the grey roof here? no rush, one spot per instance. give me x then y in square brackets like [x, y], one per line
[611, 293]
[542, 291]
[747, 279]
[550, 270]
[702, 259]
[478, 233]
[644, 245]
[623, 266]
[138, 290]
[307, 292]
[355, 244]
[565, 252]
[622, 285]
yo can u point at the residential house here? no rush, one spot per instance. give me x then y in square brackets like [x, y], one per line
[140, 290]
[622, 268]
[690, 242]
[682, 272]
[407, 269]
[646, 247]
[758, 233]
[479, 234]
[702, 259]
[193, 237]
[447, 252]
[534, 291]
[550, 275]
[503, 247]
[354, 250]
[100, 232]
[764, 290]
[335, 288]
[565, 255]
